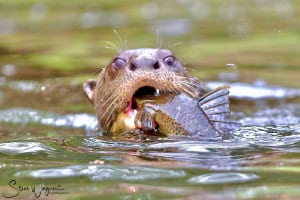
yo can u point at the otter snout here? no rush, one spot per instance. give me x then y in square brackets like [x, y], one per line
[144, 63]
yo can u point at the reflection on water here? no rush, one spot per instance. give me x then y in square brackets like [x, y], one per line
[258, 90]
[105, 172]
[221, 178]
[30, 116]
[23, 147]
[283, 115]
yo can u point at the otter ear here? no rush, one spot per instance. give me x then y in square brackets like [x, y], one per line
[88, 88]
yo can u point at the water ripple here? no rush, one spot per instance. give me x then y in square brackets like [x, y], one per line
[26, 116]
[105, 172]
[23, 147]
[223, 178]
[283, 115]
[256, 91]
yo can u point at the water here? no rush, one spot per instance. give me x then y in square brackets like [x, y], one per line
[61, 150]
[50, 147]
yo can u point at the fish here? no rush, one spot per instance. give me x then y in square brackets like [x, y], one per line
[207, 116]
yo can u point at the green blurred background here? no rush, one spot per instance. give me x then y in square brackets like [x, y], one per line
[51, 38]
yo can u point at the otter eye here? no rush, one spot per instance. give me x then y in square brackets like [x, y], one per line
[118, 63]
[169, 60]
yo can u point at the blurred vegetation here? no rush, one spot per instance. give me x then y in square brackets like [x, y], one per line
[50, 37]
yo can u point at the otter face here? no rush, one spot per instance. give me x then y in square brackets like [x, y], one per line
[146, 59]
[133, 73]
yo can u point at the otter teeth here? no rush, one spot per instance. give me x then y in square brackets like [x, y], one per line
[157, 92]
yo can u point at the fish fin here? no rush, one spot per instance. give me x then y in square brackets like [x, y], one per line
[215, 104]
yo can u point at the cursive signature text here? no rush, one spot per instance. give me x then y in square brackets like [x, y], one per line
[37, 190]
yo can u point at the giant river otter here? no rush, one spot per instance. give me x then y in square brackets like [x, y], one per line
[135, 74]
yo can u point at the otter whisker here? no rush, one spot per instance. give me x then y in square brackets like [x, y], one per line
[122, 42]
[174, 86]
[173, 89]
[109, 47]
[108, 112]
[110, 116]
[110, 101]
[188, 82]
[113, 99]
[174, 45]
[184, 77]
[190, 91]
[158, 41]
[192, 80]
[114, 106]
[113, 46]
[191, 84]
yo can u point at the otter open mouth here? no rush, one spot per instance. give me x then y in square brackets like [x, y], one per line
[126, 119]
[146, 90]
[141, 92]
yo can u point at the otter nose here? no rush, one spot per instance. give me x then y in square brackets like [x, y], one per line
[144, 63]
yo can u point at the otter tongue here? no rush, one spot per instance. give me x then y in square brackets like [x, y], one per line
[126, 118]
[129, 108]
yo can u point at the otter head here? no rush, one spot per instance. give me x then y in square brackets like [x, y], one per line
[133, 73]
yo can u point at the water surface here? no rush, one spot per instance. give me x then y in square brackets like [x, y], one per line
[48, 145]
